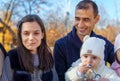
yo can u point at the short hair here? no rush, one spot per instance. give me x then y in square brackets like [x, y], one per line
[84, 4]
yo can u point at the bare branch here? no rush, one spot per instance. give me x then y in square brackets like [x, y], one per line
[9, 28]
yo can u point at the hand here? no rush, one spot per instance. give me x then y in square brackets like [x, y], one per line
[90, 80]
[103, 79]
[83, 69]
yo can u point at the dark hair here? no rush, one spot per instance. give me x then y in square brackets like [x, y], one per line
[3, 50]
[84, 4]
[44, 53]
[117, 58]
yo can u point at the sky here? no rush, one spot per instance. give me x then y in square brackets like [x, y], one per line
[108, 8]
[111, 6]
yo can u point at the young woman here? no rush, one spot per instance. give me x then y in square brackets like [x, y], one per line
[32, 59]
[116, 65]
[91, 66]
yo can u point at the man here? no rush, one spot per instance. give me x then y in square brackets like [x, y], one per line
[67, 49]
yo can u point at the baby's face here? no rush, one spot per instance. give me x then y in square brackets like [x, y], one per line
[90, 59]
[118, 54]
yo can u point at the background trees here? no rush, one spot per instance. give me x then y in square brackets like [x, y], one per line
[57, 16]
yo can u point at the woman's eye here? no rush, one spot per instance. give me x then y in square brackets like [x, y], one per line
[25, 33]
[36, 33]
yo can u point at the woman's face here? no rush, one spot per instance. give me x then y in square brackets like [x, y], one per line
[31, 35]
[93, 60]
[118, 54]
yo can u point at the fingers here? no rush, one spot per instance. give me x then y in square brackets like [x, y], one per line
[83, 68]
[103, 79]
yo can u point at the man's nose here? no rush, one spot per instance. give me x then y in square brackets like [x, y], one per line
[81, 23]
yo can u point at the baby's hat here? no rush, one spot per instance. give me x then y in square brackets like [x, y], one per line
[94, 46]
[117, 43]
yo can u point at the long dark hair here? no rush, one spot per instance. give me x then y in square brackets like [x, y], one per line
[43, 51]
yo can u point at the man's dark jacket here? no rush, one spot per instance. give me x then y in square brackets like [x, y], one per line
[67, 51]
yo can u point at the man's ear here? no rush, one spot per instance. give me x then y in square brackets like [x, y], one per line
[97, 18]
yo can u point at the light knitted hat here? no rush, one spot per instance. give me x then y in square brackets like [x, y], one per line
[117, 43]
[94, 46]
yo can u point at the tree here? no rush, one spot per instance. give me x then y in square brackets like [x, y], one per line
[14, 10]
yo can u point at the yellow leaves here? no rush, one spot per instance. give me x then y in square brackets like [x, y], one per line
[8, 36]
[8, 39]
[54, 32]
[109, 32]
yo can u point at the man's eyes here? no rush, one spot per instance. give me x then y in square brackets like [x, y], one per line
[86, 19]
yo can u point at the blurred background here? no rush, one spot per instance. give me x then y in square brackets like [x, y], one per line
[58, 17]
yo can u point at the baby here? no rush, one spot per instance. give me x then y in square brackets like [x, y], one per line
[91, 66]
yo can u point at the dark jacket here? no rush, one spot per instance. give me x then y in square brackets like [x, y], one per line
[3, 49]
[67, 51]
[13, 70]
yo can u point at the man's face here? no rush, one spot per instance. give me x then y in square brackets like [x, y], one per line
[85, 21]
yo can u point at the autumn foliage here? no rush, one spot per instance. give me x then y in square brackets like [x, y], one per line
[54, 32]
[109, 32]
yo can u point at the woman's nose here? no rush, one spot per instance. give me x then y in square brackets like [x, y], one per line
[31, 37]
[80, 23]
